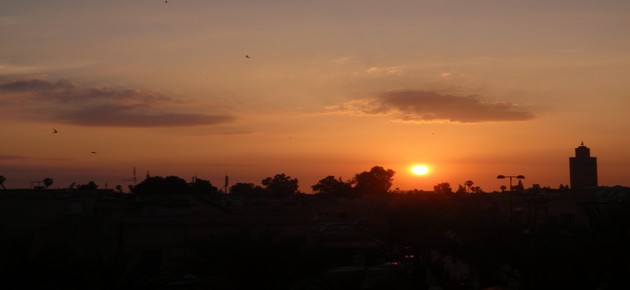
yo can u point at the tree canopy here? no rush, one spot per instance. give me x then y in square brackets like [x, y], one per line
[162, 185]
[332, 186]
[203, 186]
[90, 186]
[376, 181]
[280, 184]
[444, 187]
[48, 182]
[246, 189]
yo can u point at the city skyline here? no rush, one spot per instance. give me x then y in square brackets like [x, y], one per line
[90, 90]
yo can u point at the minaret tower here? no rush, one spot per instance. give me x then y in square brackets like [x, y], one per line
[583, 168]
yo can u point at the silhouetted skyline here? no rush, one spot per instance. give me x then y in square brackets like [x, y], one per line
[171, 234]
[582, 169]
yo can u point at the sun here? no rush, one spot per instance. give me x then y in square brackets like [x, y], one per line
[420, 169]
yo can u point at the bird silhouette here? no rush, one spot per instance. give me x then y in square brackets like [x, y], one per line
[93, 152]
[247, 56]
[55, 131]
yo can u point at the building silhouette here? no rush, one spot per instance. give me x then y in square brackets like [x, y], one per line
[583, 168]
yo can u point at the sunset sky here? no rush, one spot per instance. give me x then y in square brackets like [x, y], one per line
[472, 89]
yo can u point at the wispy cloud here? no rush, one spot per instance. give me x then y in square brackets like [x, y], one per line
[430, 106]
[343, 60]
[11, 157]
[68, 102]
[390, 70]
[135, 116]
[8, 69]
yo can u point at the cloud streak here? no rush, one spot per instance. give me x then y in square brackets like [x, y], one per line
[391, 70]
[11, 157]
[68, 102]
[13, 69]
[430, 106]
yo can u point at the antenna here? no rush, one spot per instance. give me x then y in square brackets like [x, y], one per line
[134, 179]
[225, 189]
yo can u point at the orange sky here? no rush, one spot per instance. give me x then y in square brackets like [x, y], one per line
[473, 91]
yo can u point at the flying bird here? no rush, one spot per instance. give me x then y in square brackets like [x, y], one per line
[55, 131]
[93, 152]
[247, 56]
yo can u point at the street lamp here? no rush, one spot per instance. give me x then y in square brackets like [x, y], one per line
[510, 177]
[511, 187]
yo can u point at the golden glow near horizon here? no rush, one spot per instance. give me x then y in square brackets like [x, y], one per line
[329, 88]
[420, 169]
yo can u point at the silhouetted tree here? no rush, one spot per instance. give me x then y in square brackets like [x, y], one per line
[460, 189]
[203, 186]
[246, 189]
[536, 187]
[444, 187]
[90, 186]
[119, 188]
[280, 184]
[2, 180]
[332, 186]
[162, 185]
[48, 182]
[468, 184]
[503, 188]
[376, 181]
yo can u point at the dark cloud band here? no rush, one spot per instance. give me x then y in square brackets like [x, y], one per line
[72, 103]
[121, 117]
